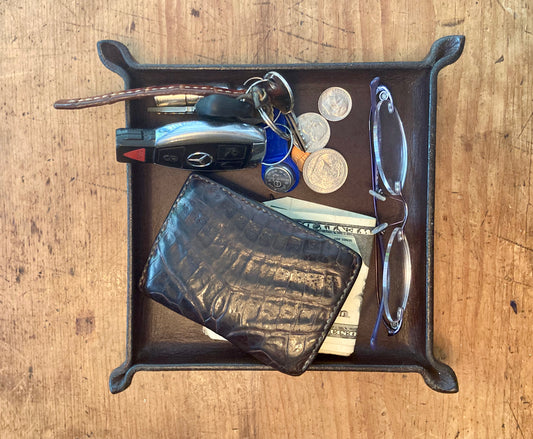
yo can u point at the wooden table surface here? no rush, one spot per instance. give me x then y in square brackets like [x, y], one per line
[63, 222]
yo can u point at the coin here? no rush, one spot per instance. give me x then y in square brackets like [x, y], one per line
[335, 103]
[314, 130]
[325, 171]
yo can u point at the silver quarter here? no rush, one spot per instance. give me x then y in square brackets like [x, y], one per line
[314, 130]
[335, 103]
[325, 171]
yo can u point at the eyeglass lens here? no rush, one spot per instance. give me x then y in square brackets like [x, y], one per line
[396, 279]
[390, 145]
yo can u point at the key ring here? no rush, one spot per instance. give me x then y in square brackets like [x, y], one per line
[266, 118]
[258, 80]
[291, 137]
[269, 78]
[272, 125]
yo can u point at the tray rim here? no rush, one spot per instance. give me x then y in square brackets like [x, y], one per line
[437, 375]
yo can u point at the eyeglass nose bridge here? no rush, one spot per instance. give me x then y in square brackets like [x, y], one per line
[385, 225]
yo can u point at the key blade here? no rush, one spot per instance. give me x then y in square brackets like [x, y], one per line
[178, 100]
[293, 126]
[171, 110]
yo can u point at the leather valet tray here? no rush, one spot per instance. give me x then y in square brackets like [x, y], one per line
[159, 339]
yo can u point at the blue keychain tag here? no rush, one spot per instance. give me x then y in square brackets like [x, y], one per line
[278, 170]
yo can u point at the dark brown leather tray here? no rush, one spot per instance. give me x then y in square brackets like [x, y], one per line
[159, 339]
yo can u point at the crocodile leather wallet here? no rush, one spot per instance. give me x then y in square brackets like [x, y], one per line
[267, 284]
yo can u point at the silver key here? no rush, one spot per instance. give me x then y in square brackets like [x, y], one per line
[282, 98]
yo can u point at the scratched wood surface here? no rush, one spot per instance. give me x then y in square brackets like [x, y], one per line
[63, 222]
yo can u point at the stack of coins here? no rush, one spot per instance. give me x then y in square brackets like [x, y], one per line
[324, 169]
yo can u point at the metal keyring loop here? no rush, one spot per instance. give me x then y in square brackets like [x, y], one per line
[270, 123]
[288, 152]
[255, 84]
[256, 78]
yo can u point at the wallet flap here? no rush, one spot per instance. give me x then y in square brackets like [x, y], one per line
[267, 284]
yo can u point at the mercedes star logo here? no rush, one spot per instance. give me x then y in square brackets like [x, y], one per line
[200, 159]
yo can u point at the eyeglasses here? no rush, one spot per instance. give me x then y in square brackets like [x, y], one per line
[388, 151]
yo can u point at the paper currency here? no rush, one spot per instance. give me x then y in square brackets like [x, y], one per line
[352, 230]
[212, 334]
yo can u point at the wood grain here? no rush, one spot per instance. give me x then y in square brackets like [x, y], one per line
[63, 222]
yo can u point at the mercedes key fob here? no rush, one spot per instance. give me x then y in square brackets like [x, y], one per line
[199, 145]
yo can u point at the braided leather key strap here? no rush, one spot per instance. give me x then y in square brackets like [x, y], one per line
[137, 93]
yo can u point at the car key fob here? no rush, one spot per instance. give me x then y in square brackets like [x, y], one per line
[200, 145]
[217, 106]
